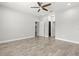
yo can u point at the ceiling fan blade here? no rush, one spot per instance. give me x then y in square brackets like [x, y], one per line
[46, 5]
[34, 7]
[39, 3]
[38, 10]
[44, 9]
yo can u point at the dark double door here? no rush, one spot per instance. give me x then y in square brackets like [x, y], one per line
[49, 29]
[36, 29]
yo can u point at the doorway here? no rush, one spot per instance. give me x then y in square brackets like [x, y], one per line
[51, 26]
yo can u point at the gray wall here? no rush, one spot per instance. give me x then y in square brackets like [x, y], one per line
[15, 24]
[67, 24]
[43, 27]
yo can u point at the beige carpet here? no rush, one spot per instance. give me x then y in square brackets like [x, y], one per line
[39, 47]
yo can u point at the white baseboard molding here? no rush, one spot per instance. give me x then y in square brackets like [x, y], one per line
[42, 36]
[76, 42]
[15, 39]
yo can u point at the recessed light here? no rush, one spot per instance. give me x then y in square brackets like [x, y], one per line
[68, 4]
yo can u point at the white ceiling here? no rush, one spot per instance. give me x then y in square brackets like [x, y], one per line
[25, 7]
[60, 6]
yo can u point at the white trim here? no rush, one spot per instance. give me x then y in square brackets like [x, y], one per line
[76, 42]
[15, 39]
[43, 36]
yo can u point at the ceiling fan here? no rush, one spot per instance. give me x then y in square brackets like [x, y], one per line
[42, 6]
